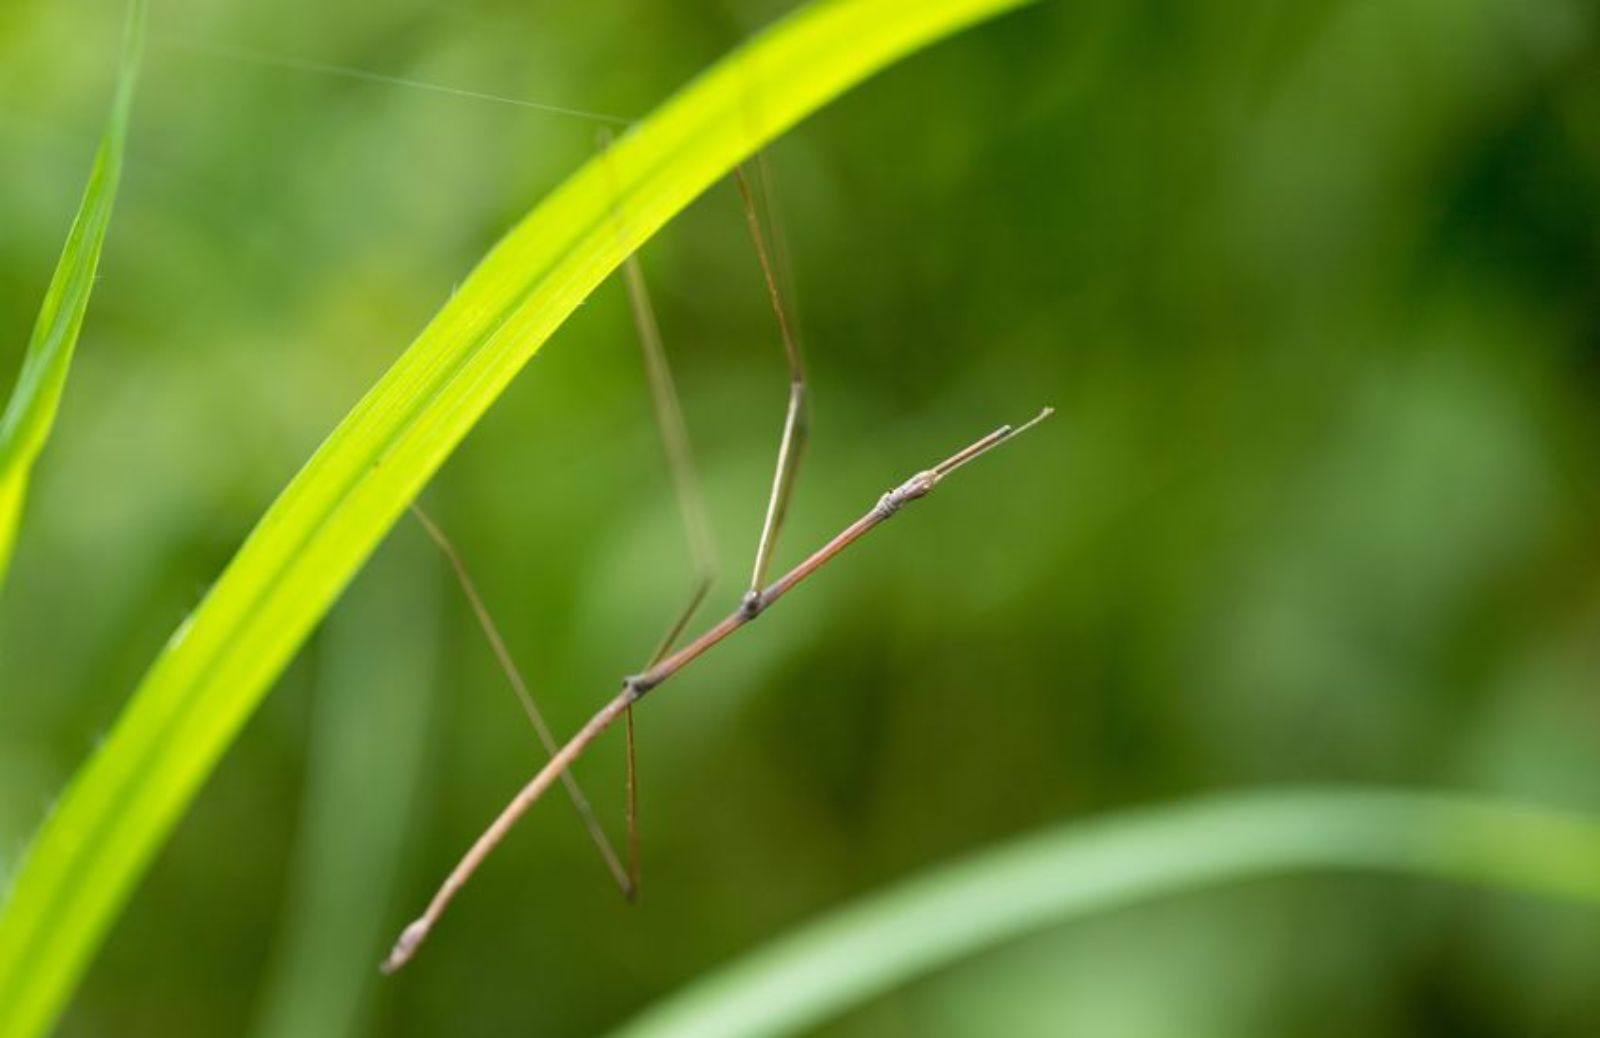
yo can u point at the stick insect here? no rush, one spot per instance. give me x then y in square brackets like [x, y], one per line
[669, 658]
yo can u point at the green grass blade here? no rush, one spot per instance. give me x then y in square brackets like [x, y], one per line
[955, 911]
[121, 805]
[31, 411]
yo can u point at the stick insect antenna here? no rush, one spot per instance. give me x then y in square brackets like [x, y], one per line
[639, 685]
[502, 654]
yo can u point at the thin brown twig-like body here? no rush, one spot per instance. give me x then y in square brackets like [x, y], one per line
[639, 685]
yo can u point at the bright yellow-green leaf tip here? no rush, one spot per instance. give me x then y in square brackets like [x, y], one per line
[214, 671]
[29, 414]
[13, 488]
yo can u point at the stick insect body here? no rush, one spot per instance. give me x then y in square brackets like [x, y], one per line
[668, 660]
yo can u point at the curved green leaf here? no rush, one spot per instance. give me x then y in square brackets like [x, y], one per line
[938, 918]
[215, 669]
[31, 411]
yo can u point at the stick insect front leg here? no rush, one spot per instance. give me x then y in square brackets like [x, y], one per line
[795, 422]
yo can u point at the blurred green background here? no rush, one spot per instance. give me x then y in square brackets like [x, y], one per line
[1313, 286]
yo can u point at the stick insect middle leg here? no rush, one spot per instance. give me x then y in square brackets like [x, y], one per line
[680, 459]
[691, 504]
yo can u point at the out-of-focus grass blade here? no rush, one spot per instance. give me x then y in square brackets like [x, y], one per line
[369, 738]
[936, 919]
[31, 410]
[215, 669]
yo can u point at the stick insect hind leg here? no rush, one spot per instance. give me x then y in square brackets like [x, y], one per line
[680, 461]
[508, 666]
